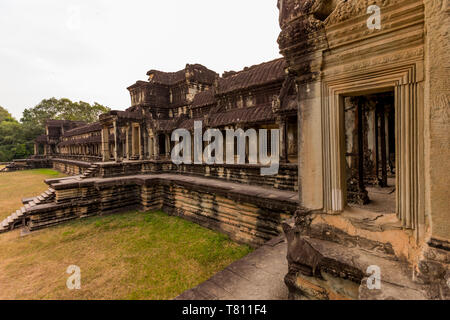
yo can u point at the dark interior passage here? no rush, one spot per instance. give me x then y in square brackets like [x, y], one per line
[370, 151]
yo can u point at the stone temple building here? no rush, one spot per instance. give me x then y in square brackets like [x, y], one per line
[361, 99]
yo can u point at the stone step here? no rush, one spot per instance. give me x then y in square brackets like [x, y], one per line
[5, 223]
[26, 200]
[9, 219]
[19, 213]
[23, 210]
[51, 190]
[41, 198]
[14, 216]
[364, 231]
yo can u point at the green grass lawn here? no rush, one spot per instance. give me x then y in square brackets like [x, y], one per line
[22, 184]
[123, 256]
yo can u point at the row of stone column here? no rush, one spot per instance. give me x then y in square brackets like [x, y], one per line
[140, 145]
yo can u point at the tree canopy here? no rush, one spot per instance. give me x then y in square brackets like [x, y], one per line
[63, 109]
[5, 115]
[17, 138]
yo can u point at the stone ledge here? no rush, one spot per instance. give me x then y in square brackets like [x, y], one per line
[240, 192]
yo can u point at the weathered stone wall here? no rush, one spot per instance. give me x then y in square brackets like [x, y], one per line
[333, 54]
[286, 179]
[247, 216]
[70, 167]
[437, 116]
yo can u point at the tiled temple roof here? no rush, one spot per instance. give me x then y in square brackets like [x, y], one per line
[64, 123]
[189, 123]
[83, 130]
[243, 115]
[204, 98]
[257, 75]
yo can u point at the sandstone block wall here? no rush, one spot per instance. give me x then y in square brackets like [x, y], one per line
[247, 216]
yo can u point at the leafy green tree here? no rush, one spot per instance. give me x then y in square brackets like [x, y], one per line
[5, 115]
[62, 109]
[13, 142]
[17, 138]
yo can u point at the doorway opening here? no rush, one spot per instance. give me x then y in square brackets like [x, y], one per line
[162, 145]
[370, 144]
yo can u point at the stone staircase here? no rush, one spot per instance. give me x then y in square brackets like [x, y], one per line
[17, 219]
[12, 166]
[90, 172]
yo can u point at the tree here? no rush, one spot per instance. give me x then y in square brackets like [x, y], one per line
[17, 138]
[62, 109]
[5, 115]
[14, 142]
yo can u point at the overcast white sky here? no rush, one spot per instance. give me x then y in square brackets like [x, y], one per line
[92, 50]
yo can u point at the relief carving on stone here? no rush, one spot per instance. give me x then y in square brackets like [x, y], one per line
[301, 19]
[346, 9]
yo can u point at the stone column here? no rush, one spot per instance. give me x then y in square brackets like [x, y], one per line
[156, 146]
[105, 143]
[141, 149]
[36, 149]
[145, 143]
[116, 142]
[383, 182]
[437, 123]
[167, 145]
[127, 143]
[282, 124]
[151, 148]
[408, 156]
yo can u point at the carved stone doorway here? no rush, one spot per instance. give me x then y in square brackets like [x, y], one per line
[370, 151]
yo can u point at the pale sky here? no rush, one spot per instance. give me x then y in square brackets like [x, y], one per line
[92, 50]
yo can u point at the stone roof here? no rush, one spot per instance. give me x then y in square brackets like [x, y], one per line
[138, 84]
[243, 115]
[204, 98]
[257, 75]
[83, 130]
[65, 123]
[192, 72]
[189, 123]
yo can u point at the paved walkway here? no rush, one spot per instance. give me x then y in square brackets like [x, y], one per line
[258, 276]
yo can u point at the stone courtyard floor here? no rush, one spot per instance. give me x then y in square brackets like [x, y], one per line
[258, 276]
